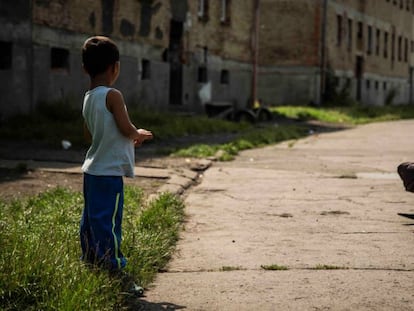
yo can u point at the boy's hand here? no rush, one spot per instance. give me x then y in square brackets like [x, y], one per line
[143, 136]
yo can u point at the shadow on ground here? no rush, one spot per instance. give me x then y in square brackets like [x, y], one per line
[141, 304]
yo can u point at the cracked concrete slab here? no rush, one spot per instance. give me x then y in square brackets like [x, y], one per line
[330, 200]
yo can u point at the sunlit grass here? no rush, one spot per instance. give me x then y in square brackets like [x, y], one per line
[39, 259]
[347, 115]
[254, 138]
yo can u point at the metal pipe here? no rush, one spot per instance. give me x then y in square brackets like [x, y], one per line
[410, 83]
[323, 52]
[255, 50]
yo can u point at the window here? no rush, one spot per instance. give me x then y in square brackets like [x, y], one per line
[225, 12]
[224, 77]
[145, 69]
[339, 30]
[203, 10]
[349, 34]
[369, 42]
[385, 44]
[406, 50]
[202, 74]
[368, 84]
[384, 86]
[6, 55]
[399, 48]
[377, 42]
[360, 36]
[59, 59]
[393, 47]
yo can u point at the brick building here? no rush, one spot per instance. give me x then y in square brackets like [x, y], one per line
[172, 48]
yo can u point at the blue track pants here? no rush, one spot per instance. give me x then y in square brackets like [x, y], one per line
[100, 228]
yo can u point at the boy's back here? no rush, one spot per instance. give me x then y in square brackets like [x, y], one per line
[111, 153]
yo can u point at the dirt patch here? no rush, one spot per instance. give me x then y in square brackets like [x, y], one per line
[17, 185]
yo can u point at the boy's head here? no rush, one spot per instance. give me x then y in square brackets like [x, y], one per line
[98, 53]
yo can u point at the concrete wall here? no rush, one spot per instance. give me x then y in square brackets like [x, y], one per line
[15, 80]
[219, 41]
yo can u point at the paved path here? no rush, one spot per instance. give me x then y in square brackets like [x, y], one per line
[324, 207]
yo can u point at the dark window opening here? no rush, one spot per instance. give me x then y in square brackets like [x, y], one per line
[360, 36]
[225, 12]
[203, 10]
[224, 77]
[399, 48]
[385, 44]
[406, 50]
[369, 43]
[338, 30]
[349, 34]
[360, 33]
[59, 58]
[202, 75]
[377, 41]
[146, 69]
[6, 55]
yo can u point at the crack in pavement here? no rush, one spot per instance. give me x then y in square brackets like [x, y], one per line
[329, 268]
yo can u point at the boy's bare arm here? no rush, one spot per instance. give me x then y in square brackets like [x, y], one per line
[116, 105]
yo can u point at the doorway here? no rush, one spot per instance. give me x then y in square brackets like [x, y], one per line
[359, 72]
[176, 66]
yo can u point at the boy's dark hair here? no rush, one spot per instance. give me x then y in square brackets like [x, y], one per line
[98, 53]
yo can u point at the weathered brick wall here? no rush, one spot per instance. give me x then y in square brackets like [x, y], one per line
[145, 21]
[380, 15]
[227, 40]
[289, 32]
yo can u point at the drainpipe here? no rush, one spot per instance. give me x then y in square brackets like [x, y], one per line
[410, 83]
[323, 52]
[31, 71]
[255, 50]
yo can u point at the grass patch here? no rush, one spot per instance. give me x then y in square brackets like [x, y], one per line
[254, 138]
[40, 250]
[53, 122]
[352, 115]
[274, 267]
[168, 125]
[230, 268]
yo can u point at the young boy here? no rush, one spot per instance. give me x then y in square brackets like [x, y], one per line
[109, 158]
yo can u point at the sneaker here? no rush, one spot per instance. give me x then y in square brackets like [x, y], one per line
[134, 289]
[128, 283]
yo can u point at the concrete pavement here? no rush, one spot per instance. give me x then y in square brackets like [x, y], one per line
[323, 209]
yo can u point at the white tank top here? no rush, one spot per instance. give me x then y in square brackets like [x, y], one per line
[111, 153]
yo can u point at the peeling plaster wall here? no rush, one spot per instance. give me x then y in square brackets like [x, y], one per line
[15, 81]
[66, 24]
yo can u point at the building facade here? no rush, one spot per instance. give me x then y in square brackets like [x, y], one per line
[363, 47]
[280, 51]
